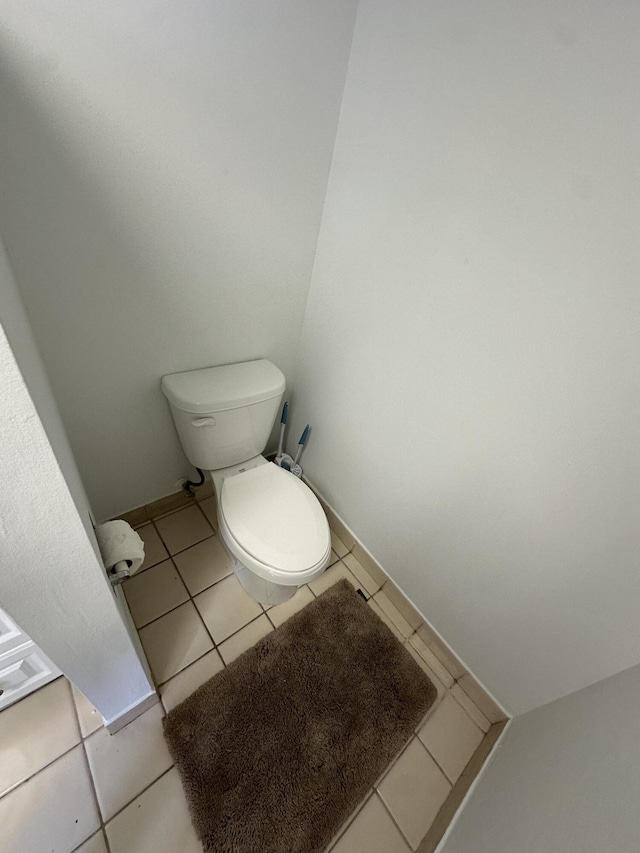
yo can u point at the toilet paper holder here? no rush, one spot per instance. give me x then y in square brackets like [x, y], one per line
[120, 572]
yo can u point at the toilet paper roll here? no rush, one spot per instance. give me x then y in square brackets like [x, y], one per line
[118, 541]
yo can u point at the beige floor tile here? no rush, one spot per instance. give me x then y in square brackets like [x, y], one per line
[208, 507]
[183, 529]
[226, 608]
[156, 822]
[96, 844]
[124, 763]
[471, 708]
[154, 550]
[154, 593]
[333, 558]
[372, 831]
[403, 605]
[245, 639]
[174, 641]
[427, 655]
[203, 564]
[281, 612]
[90, 720]
[451, 737]
[53, 811]
[394, 614]
[373, 604]
[35, 731]
[370, 565]
[330, 576]
[184, 683]
[414, 790]
[338, 545]
[358, 570]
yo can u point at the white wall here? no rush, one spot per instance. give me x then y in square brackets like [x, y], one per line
[163, 169]
[564, 779]
[52, 583]
[469, 360]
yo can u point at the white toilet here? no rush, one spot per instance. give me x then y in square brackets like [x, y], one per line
[270, 522]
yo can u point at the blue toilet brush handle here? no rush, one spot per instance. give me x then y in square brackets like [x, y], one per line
[301, 443]
[283, 421]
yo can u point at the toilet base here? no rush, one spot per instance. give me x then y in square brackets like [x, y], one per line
[265, 592]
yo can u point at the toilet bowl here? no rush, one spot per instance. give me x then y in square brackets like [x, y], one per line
[273, 528]
[270, 522]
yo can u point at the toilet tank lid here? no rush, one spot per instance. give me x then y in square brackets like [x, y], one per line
[216, 389]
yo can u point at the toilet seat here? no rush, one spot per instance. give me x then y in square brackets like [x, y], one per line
[274, 524]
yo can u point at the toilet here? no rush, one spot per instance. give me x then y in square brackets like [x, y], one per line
[270, 522]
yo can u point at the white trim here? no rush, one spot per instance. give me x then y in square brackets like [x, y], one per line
[131, 713]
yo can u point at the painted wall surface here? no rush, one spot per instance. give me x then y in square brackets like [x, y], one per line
[52, 583]
[469, 359]
[163, 168]
[564, 779]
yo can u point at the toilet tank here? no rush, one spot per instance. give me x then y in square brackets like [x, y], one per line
[224, 415]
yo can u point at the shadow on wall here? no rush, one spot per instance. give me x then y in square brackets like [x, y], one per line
[130, 245]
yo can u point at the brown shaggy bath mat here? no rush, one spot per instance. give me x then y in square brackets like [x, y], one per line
[277, 750]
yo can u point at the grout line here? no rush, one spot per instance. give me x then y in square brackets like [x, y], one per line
[141, 571]
[164, 683]
[157, 618]
[37, 772]
[94, 791]
[139, 794]
[90, 772]
[216, 646]
[435, 761]
[354, 814]
[191, 502]
[246, 624]
[382, 800]
[102, 835]
[206, 627]
[193, 595]
[182, 550]
[380, 779]
[394, 821]
[173, 512]
[190, 598]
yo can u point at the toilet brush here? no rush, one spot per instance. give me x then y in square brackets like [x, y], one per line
[283, 459]
[295, 468]
[283, 423]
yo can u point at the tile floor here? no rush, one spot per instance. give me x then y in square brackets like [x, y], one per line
[67, 785]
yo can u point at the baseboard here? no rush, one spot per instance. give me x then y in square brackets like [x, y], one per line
[129, 714]
[446, 819]
[169, 503]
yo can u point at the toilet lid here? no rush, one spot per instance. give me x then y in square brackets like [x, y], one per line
[275, 517]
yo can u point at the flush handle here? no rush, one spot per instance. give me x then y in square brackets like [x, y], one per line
[202, 422]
